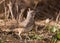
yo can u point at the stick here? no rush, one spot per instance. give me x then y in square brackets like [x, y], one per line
[10, 8]
[2, 1]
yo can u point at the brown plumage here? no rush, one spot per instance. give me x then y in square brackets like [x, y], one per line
[27, 24]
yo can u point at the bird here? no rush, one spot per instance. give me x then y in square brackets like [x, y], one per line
[27, 24]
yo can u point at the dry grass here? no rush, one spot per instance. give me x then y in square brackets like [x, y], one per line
[12, 29]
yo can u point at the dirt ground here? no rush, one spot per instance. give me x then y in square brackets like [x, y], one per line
[11, 37]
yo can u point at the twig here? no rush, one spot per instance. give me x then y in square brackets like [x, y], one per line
[2, 1]
[21, 15]
[57, 18]
[3, 14]
[36, 3]
[10, 8]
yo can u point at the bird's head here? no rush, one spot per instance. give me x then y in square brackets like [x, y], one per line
[31, 13]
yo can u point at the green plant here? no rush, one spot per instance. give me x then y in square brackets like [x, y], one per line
[58, 35]
[1, 41]
[38, 37]
[53, 28]
[35, 36]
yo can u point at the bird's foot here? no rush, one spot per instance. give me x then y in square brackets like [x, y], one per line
[20, 38]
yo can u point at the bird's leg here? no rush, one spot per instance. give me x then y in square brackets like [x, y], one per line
[19, 34]
[20, 37]
[27, 36]
[20, 30]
